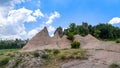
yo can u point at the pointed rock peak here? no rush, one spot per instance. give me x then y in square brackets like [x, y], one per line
[45, 29]
[58, 32]
[43, 32]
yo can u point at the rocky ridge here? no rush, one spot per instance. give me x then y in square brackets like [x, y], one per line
[42, 40]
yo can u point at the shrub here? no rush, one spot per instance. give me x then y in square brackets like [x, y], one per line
[63, 57]
[70, 36]
[4, 61]
[46, 56]
[17, 62]
[48, 50]
[75, 44]
[114, 65]
[118, 41]
[36, 54]
[55, 51]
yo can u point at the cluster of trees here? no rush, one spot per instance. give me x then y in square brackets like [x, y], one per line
[12, 44]
[100, 31]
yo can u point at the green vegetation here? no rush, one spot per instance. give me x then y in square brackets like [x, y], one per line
[118, 41]
[70, 36]
[7, 51]
[100, 31]
[76, 29]
[52, 58]
[36, 54]
[17, 62]
[4, 61]
[46, 56]
[56, 51]
[5, 55]
[62, 56]
[114, 65]
[12, 44]
[75, 44]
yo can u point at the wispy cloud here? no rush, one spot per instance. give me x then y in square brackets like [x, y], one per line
[52, 17]
[38, 13]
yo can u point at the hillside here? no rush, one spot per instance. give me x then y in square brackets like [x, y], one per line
[43, 51]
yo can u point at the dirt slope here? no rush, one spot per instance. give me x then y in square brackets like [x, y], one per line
[42, 40]
[101, 54]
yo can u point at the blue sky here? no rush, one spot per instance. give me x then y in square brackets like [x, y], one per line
[24, 18]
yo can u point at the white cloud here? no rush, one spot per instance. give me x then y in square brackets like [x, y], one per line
[114, 20]
[51, 28]
[12, 21]
[48, 23]
[13, 24]
[52, 17]
[38, 13]
[34, 31]
[21, 15]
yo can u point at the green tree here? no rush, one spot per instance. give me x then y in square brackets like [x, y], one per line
[97, 33]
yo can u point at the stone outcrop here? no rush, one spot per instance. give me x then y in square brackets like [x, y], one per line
[59, 32]
[42, 40]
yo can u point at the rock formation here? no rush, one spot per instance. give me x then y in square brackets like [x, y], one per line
[59, 31]
[42, 40]
[88, 41]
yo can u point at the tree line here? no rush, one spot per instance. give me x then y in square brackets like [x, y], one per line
[12, 44]
[100, 31]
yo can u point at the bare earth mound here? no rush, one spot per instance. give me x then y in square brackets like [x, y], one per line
[88, 42]
[43, 41]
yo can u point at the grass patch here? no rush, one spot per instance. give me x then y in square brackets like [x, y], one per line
[5, 56]
[17, 62]
[118, 41]
[4, 51]
[46, 56]
[58, 57]
[4, 61]
[55, 51]
[114, 65]
[73, 54]
[35, 54]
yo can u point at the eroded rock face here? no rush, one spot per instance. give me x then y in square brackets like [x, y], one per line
[59, 32]
[42, 40]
